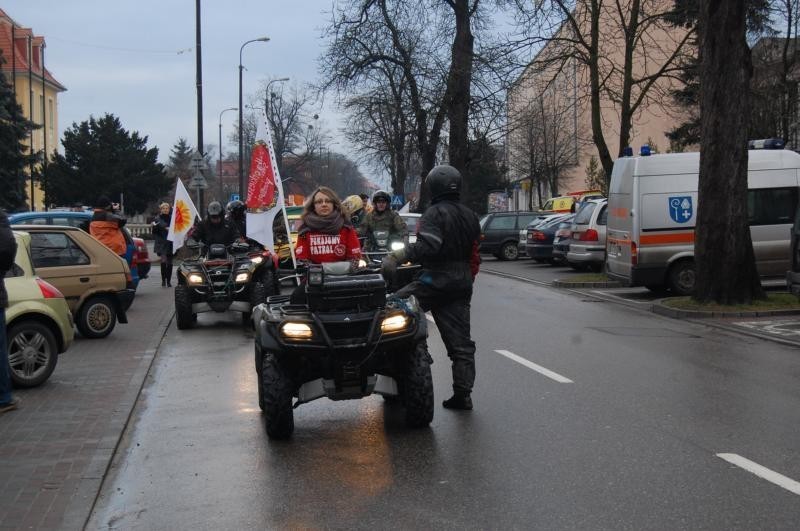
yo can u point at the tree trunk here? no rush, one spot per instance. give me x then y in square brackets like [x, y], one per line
[594, 80]
[458, 86]
[725, 264]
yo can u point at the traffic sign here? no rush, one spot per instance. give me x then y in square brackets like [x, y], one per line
[234, 197]
[198, 181]
[397, 201]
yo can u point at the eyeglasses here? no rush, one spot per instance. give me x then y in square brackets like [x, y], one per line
[323, 201]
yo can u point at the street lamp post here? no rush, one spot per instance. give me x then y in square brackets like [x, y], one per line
[279, 80]
[241, 147]
[221, 191]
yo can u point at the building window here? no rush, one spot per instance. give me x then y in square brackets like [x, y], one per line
[50, 118]
[41, 109]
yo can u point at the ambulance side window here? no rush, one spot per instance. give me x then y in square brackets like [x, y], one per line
[771, 206]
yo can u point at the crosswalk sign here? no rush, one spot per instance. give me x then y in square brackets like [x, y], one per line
[397, 201]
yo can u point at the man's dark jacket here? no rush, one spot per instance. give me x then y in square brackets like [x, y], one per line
[223, 232]
[446, 246]
[8, 250]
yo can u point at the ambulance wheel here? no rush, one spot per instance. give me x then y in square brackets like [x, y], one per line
[682, 278]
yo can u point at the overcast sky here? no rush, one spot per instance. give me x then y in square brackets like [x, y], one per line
[136, 59]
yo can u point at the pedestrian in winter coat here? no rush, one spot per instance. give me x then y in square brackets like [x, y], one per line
[447, 248]
[8, 250]
[163, 247]
[106, 226]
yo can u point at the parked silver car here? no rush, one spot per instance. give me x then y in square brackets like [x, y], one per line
[587, 248]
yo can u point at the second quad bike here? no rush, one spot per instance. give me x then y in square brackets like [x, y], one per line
[225, 278]
[347, 340]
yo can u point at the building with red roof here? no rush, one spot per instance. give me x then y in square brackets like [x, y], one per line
[22, 60]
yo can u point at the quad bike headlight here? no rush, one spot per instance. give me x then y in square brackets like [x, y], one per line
[394, 323]
[296, 331]
[242, 277]
[396, 246]
[257, 259]
[194, 278]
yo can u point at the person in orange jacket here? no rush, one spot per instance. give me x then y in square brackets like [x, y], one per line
[106, 226]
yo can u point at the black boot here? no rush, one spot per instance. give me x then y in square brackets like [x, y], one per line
[459, 400]
[163, 275]
[169, 275]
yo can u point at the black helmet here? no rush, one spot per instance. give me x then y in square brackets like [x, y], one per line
[214, 208]
[444, 180]
[236, 209]
[381, 194]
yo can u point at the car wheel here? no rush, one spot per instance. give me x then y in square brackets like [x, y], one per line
[276, 389]
[97, 317]
[682, 278]
[32, 353]
[418, 388]
[259, 357]
[509, 251]
[184, 318]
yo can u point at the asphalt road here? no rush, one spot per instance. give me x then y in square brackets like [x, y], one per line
[589, 415]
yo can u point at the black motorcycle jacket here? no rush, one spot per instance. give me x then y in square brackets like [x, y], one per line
[223, 232]
[447, 241]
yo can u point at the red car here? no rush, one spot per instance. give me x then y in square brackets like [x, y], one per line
[141, 258]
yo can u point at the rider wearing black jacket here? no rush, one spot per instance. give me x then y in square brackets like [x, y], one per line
[215, 229]
[447, 248]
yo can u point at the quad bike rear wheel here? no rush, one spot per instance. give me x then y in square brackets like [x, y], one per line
[418, 388]
[276, 398]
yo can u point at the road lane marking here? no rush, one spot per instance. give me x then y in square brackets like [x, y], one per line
[538, 368]
[762, 472]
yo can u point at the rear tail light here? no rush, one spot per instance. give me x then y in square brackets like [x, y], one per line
[634, 254]
[49, 291]
[538, 235]
[483, 236]
[589, 235]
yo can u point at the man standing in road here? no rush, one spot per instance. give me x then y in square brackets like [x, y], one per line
[8, 250]
[447, 248]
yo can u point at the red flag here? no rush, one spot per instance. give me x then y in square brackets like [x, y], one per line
[261, 190]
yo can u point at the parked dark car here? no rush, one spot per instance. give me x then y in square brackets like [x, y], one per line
[500, 233]
[539, 238]
[81, 220]
[562, 241]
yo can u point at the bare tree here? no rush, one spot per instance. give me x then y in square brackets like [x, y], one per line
[725, 261]
[626, 48]
[370, 38]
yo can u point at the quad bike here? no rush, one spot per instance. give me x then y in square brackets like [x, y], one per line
[225, 278]
[378, 244]
[347, 341]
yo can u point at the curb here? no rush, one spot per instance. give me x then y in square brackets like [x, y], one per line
[576, 285]
[88, 490]
[661, 309]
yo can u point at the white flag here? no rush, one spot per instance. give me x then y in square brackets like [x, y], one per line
[183, 215]
[264, 190]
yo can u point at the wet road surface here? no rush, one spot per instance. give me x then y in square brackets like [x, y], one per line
[589, 415]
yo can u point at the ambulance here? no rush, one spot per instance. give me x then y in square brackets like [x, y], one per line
[652, 211]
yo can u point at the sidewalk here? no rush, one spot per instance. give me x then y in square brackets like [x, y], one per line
[55, 449]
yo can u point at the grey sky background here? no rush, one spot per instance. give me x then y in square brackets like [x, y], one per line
[137, 60]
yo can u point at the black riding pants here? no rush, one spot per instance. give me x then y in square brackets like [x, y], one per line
[451, 314]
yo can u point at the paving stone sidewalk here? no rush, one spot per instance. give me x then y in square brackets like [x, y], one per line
[55, 449]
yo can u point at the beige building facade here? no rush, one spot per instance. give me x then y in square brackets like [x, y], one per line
[23, 65]
[550, 140]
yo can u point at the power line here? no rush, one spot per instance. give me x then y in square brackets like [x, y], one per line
[118, 49]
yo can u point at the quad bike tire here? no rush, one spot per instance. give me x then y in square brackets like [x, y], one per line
[276, 398]
[184, 319]
[258, 358]
[418, 388]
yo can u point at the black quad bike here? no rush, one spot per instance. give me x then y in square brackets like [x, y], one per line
[225, 278]
[378, 244]
[347, 341]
